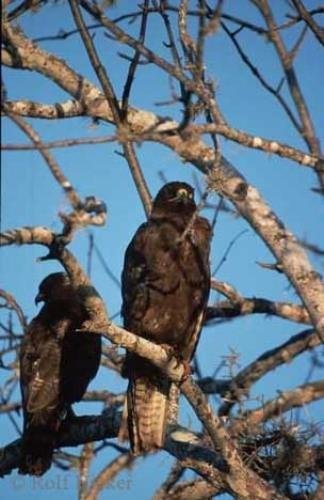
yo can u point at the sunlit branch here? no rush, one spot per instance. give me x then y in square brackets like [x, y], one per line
[256, 305]
[32, 109]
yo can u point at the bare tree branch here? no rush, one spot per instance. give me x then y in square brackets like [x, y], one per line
[305, 15]
[286, 400]
[291, 77]
[268, 361]
[256, 305]
[11, 303]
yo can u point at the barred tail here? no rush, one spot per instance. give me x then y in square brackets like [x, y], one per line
[146, 413]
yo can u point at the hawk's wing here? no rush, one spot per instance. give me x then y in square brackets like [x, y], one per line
[149, 265]
[80, 363]
[196, 264]
[40, 359]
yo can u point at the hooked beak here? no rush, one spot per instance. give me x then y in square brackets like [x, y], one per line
[39, 298]
[183, 196]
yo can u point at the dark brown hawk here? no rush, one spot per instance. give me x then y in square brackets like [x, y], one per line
[165, 288]
[56, 366]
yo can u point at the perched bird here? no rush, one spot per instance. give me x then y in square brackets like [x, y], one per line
[56, 366]
[165, 288]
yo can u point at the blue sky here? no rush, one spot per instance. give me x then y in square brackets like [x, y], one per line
[30, 196]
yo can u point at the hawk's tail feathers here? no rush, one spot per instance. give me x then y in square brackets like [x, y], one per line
[145, 414]
[37, 451]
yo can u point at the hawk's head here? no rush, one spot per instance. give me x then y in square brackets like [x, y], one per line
[175, 197]
[55, 287]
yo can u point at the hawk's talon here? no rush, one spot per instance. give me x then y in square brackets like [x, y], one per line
[169, 350]
[187, 370]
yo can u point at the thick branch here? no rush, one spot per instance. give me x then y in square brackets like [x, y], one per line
[27, 236]
[241, 480]
[180, 442]
[193, 490]
[32, 109]
[82, 430]
[257, 305]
